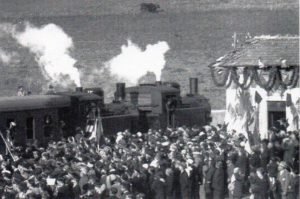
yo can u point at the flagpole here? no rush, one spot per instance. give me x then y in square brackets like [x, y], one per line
[7, 147]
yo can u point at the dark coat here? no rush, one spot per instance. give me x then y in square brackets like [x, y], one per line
[254, 161]
[218, 183]
[272, 169]
[242, 162]
[218, 179]
[197, 178]
[185, 185]
[169, 185]
[208, 179]
[176, 184]
[158, 188]
[259, 187]
[236, 186]
[264, 158]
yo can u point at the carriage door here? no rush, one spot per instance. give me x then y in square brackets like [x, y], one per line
[30, 128]
[276, 111]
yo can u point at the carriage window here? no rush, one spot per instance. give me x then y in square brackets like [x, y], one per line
[30, 128]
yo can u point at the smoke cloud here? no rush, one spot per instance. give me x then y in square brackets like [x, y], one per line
[133, 62]
[51, 47]
[6, 29]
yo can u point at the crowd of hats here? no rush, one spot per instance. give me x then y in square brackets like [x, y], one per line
[126, 165]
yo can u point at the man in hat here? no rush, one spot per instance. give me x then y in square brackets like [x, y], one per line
[259, 184]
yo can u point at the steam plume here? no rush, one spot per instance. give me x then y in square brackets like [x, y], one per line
[133, 62]
[51, 46]
[5, 58]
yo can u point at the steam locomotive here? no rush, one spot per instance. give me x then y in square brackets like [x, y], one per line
[60, 114]
[156, 106]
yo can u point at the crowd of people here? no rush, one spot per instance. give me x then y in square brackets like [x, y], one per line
[170, 164]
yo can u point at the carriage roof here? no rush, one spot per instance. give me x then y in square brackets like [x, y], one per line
[32, 102]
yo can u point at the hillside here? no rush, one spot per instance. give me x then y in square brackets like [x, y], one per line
[46, 8]
[195, 39]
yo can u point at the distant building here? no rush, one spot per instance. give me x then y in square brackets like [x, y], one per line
[262, 84]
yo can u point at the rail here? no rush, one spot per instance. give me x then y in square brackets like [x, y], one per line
[7, 147]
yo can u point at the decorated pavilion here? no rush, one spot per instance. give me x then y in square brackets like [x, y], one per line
[261, 77]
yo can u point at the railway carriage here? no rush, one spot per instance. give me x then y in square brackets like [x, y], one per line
[59, 114]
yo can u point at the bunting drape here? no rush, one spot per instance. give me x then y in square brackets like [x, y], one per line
[266, 78]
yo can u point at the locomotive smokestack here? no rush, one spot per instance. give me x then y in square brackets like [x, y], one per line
[194, 86]
[120, 92]
[79, 89]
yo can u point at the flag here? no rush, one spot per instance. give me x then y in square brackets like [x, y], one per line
[97, 130]
[257, 97]
[295, 114]
[256, 134]
[289, 100]
[231, 111]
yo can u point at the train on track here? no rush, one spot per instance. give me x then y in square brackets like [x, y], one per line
[60, 114]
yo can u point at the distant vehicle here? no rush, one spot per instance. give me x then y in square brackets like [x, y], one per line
[150, 7]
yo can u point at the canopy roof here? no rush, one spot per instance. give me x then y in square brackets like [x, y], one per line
[269, 49]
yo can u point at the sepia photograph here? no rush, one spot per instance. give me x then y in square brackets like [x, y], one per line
[149, 99]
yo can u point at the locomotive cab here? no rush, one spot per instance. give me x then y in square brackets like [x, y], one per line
[153, 103]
